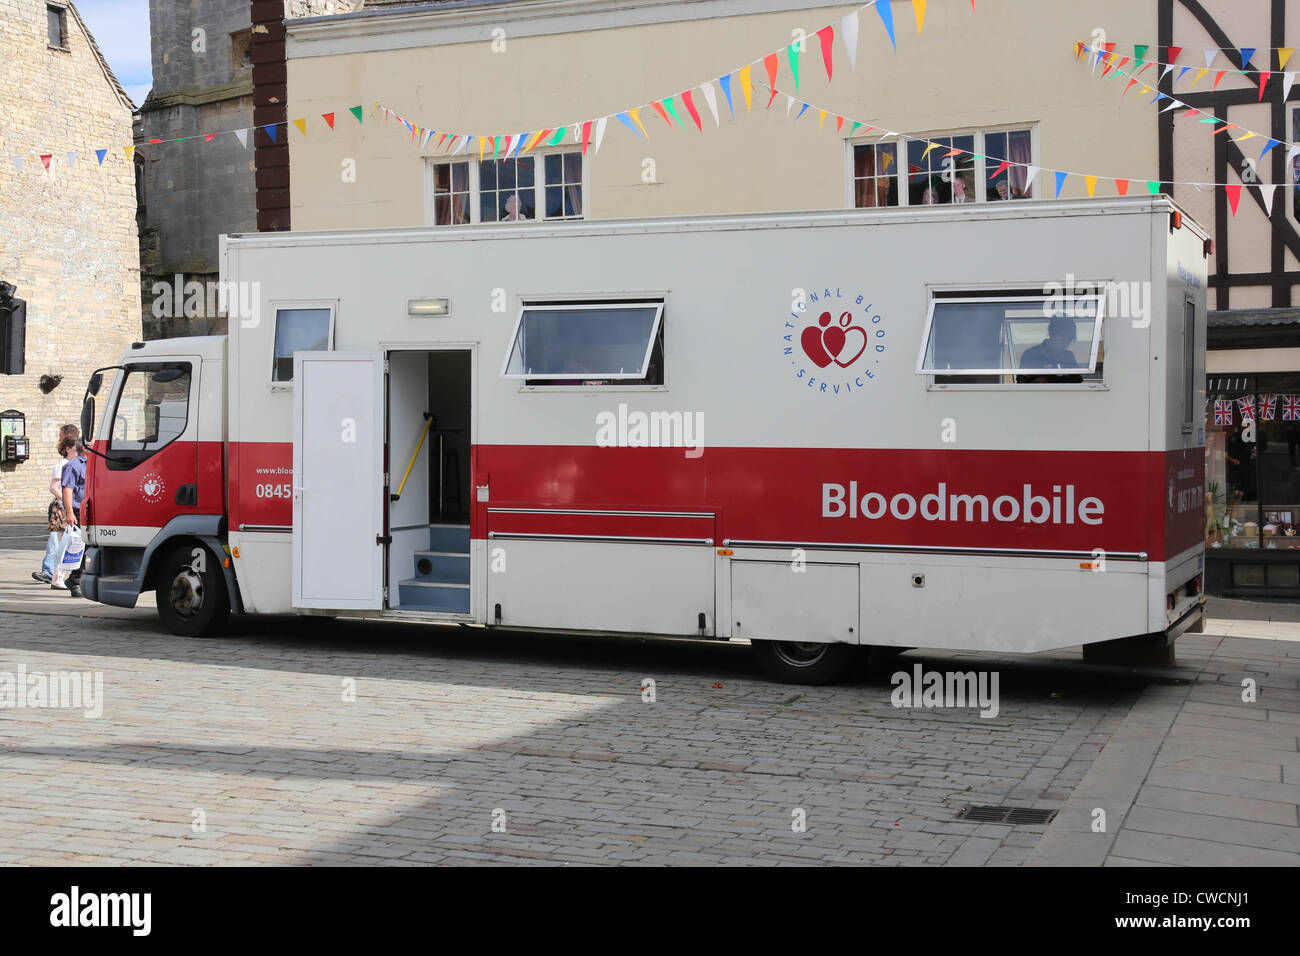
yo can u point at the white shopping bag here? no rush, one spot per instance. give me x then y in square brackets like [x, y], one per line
[73, 549]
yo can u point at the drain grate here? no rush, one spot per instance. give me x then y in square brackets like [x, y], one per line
[1013, 815]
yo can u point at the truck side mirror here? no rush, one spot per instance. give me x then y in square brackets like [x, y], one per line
[87, 418]
[96, 381]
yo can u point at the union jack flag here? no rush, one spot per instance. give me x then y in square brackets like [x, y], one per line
[1291, 408]
[1223, 411]
[1247, 406]
[1267, 407]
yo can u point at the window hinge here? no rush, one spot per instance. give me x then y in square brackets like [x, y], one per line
[385, 366]
[385, 595]
[385, 479]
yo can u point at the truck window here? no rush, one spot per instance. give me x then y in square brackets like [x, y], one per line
[1029, 339]
[151, 412]
[610, 343]
[298, 330]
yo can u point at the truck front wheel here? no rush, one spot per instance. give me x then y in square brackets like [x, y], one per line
[796, 663]
[191, 592]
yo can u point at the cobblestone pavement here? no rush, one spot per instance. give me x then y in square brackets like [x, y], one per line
[453, 729]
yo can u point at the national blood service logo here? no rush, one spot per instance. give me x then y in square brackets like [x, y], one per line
[152, 488]
[834, 341]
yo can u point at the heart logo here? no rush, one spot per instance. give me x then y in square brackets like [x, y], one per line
[844, 337]
[811, 340]
[151, 488]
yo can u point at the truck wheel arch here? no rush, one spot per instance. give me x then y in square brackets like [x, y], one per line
[201, 531]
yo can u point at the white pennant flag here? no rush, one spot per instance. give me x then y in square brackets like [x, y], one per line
[1169, 68]
[1288, 80]
[243, 137]
[789, 105]
[577, 132]
[428, 135]
[600, 131]
[1030, 173]
[1173, 105]
[1209, 57]
[464, 144]
[72, 159]
[18, 163]
[1266, 191]
[849, 31]
[711, 97]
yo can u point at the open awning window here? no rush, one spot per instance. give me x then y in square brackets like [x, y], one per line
[588, 341]
[1014, 336]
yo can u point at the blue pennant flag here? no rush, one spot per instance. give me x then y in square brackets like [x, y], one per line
[1247, 54]
[101, 153]
[1060, 181]
[726, 88]
[627, 121]
[886, 11]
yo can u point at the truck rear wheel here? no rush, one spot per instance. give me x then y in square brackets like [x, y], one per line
[795, 663]
[191, 592]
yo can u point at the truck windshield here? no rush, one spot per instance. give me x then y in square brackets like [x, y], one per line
[151, 411]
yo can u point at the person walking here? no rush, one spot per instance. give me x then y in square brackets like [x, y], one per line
[55, 519]
[74, 493]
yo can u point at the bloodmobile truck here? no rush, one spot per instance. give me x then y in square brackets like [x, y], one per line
[973, 427]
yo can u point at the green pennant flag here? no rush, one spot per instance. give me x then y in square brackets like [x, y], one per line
[559, 136]
[793, 51]
[356, 111]
[1141, 51]
[668, 105]
[855, 126]
[1154, 188]
[496, 145]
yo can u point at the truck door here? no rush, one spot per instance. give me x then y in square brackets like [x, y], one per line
[338, 494]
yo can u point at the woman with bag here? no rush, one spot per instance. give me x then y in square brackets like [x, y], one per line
[55, 519]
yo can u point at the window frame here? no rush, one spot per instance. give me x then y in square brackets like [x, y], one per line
[593, 303]
[900, 142]
[62, 12]
[474, 189]
[128, 459]
[1019, 294]
[284, 305]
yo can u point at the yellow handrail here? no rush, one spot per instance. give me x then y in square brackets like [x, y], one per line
[428, 423]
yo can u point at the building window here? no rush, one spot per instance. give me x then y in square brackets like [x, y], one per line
[57, 25]
[299, 330]
[951, 168]
[1295, 167]
[241, 53]
[525, 188]
[588, 343]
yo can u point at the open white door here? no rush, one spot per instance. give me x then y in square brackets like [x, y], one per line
[338, 473]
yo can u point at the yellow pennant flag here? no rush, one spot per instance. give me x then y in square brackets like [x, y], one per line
[482, 144]
[130, 151]
[928, 149]
[1092, 184]
[636, 118]
[302, 126]
[532, 140]
[1242, 139]
[1284, 56]
[747, 86]
[821, 123]
[918, 7]
[1198, 77]
[885, 160]
[1145, 89]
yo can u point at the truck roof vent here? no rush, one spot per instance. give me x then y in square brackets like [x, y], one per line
[137, 345]
[1012, 815]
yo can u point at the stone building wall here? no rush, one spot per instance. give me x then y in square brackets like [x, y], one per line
[67, 235]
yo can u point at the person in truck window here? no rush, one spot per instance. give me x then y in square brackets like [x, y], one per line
[1052, 353]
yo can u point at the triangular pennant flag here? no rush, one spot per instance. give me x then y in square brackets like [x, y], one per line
[711, 98]
[1030, 173]
[1218, 78]
[1284, 56]
[1005, 165]
[1060, 181]
[627, 121]
[929, 149]
[586, 136]
[772, 99]
[209, 137]
[821, 119]
[356, 111]
[302, 126]
[510, 141]
[70, 158]
[746, 86]
[659, 108]
[1153, 188]
[1173, 105]
[803, 109]
[668, 103]
[690, 108]
[886, 12]
[18, 163]
[270, 131]
[1174, 53]
[771, 65]
[1169, 68]
[1091, 181]
[600, 132]
[130, 152]
[849, 33]
[329, 119]
[482, 146]
[45, 159]
[1263, 82]
[1121, 186]
[792, 54]
[918, 8]
[854, 128]
[1140, 53]
[827, 36]
[1234, 195]
[1209, 57]
[725, 83]
[1131, 84]
[559, 133]
[1250, 134]
[1199, 75]
[1288, 80]
[1271, 144]
[100, 154]
[636, 118]
[428, 135]
[839, 124]
[1247, 54]
[1266, 191]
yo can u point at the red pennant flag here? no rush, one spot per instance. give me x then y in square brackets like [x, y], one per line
[1222, 74]
[1174, 53]
[827, 36]
[770, 63]
[839, 123]
[1121, 186]
[1006, 164]
[1234, 195]
[509, 139]
[1078, 49]
[154, 141]
[210, 137]
[771, 98]
[328, 118]
[441, 139]
[586, 136]
[690, 108]
[1263, 82]
[952, 152]
[46, 160]
[659, 108]
[1131, 84]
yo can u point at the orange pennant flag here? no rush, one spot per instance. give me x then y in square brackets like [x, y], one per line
[328, 118]
[770, 63]
[1221, 74]
[1121, 186]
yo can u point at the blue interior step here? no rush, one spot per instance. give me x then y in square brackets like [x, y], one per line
[441, 581]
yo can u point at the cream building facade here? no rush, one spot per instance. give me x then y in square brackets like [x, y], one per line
[67, 234]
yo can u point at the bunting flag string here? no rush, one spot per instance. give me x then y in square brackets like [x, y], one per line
[1115, 62]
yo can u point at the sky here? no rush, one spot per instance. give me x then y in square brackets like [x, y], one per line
[121, 28]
